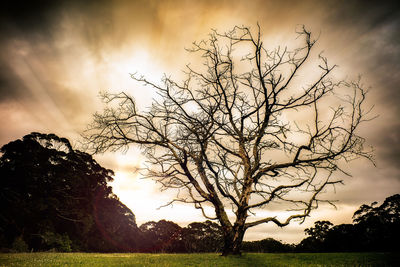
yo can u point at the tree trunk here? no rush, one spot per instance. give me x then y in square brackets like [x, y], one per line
[233, 241]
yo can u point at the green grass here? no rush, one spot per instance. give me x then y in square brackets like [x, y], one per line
[208, 259]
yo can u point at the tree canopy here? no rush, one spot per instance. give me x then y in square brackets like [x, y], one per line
[374, 228]
[55, 197]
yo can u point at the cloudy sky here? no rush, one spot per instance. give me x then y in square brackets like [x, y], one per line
[55, 57]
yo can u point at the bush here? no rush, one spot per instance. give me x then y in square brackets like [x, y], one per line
[57, 242]
[19, 245]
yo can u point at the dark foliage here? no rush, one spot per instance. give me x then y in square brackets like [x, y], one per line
[203, 237]
[55, 197]
[268, 245]
[316, 236]
[161, 236]
[374, 228]
[167, 236]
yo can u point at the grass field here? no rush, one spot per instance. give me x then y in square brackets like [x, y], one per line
[208, 259]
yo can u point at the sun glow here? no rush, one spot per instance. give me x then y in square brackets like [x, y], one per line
[139, 193]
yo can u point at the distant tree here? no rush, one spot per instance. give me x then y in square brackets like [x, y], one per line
[161, 236]
[268, 245]
[55, 197]
[243, 131]
[387, 213]
[167, 236]
[320, 230]
[316, 236]
[342, 238]
[374, 228]
[203, 237]
[379, 226]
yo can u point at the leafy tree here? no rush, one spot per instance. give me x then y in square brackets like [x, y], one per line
[268, 245]
[56, 197]
[167, 236]
[387, 213]
[342, 238]
[374, 228]
[243, 131]
[203, 237]
[316, 236]
[320, 230]
[379, 226]
[161, 236]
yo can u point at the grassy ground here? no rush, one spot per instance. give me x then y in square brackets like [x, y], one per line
[159, 260]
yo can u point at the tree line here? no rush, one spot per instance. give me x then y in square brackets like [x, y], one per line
[56, 198]
[374, 228]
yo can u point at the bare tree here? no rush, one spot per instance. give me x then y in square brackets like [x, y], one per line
[243, 132]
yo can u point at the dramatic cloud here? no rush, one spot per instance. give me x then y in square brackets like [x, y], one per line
[55, 57]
